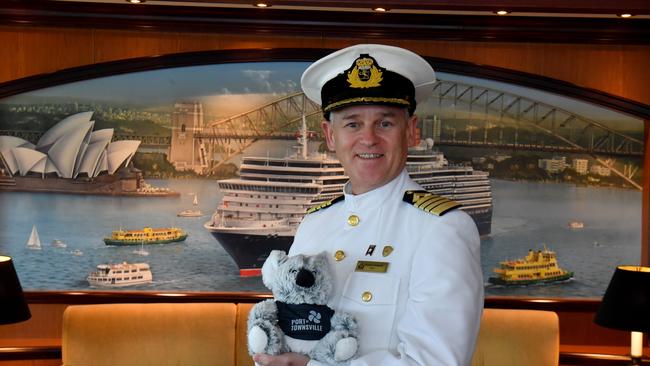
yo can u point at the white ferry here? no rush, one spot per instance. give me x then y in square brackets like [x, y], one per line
[261, 210]
[120, 274]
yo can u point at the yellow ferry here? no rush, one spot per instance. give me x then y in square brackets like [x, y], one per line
[537, 267]
[146, 236]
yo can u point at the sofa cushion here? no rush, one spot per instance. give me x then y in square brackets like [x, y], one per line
[154, 334]
[518, 337]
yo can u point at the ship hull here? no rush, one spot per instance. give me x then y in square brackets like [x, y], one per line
[250, 251]
[483, 221]
[500, 281]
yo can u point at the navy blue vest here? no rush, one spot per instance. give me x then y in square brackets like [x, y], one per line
[304, 321]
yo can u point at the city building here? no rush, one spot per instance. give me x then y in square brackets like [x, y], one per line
[580, 166]
[554, 165]
[600, 170]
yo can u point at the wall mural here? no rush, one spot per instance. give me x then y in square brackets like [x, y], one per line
[183, 179]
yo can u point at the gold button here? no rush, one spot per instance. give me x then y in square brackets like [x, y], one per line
[339, 255]
[366, 296]
[353, 220]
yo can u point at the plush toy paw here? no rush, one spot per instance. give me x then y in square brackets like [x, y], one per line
[257, 340]
[345, 349]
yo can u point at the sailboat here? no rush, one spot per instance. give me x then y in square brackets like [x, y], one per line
[34, 242]
[195, 212]
[141, 251]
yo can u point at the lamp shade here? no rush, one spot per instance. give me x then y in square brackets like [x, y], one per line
[13, 308]
[626, 304]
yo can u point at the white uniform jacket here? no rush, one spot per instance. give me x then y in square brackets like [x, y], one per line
[426, 308]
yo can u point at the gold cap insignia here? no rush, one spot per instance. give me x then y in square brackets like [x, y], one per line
[365, 73]
[387, 250]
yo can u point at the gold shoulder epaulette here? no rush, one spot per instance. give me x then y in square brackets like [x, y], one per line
[325, 204]
[430, 202]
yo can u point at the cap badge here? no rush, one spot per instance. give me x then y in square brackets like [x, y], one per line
[365, 73]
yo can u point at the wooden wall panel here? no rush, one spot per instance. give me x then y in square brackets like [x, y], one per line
[616, 69]
[112, 45]
[30, 51]
[43, 328]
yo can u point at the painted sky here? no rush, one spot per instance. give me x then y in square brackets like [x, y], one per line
[223, 86]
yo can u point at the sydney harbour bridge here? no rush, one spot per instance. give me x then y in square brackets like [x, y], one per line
[491, 118]
[482, 117]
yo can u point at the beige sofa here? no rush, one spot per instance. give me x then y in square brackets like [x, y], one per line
[199, 334]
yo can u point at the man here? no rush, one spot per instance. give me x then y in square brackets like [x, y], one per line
[406, 262]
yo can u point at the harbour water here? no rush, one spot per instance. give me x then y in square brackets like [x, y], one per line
[526, 216]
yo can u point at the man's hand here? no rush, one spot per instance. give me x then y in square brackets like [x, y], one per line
[285, 359]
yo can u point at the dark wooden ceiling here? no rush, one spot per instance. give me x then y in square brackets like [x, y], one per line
[333, 18]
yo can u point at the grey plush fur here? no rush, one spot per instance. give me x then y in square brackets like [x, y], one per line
[279, 275]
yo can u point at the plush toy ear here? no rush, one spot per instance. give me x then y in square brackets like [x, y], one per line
[270, 267]
[321, 261]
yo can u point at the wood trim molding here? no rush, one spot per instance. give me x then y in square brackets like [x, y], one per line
[103, 297]
[566, 358]
[22, 85]
[30, 353]
[338, 24]
[645, 198]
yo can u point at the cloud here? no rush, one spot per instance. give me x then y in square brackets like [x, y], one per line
[261, 78]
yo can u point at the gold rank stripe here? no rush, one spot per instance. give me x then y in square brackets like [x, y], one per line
[429, 202]
[325, 204]
[447, 206]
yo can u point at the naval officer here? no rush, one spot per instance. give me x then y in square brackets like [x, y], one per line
[406, 263]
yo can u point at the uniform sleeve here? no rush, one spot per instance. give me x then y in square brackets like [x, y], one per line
[296, 246]
[441, 321]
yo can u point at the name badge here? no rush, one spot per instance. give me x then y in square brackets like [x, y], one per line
[370, 266]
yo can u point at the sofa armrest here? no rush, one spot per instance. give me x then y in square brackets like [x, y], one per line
[149, 334]
[518, 337]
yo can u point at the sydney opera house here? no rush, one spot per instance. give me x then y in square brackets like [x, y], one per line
[70, 157]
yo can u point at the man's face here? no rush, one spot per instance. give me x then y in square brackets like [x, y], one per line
[371, 141]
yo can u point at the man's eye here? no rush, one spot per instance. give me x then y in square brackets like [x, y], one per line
[352, 124]
[384, 124]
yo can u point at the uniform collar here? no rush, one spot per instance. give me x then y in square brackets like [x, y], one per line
[377, 196]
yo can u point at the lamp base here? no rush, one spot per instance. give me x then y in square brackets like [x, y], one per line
[635, 361]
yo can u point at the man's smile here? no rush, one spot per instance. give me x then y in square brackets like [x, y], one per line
[369, 155]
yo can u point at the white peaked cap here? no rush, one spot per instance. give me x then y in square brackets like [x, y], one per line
[398, 60]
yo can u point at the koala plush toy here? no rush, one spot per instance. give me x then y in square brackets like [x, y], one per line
[298, 319]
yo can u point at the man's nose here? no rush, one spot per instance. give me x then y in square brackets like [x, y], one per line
[369, 135]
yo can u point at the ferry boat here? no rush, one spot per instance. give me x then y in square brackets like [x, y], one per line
[58, 243]
[260, 211]
[120, 274]
[537, 267]
[146, 236]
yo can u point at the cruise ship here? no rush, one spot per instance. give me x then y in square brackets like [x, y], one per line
[260, 211]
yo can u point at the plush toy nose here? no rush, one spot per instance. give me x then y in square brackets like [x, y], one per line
[305, 278]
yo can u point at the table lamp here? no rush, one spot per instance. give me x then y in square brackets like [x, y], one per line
[626, 306]
[13, 308]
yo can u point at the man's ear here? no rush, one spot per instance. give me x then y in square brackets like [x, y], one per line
[411, 127]
[328, 131]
